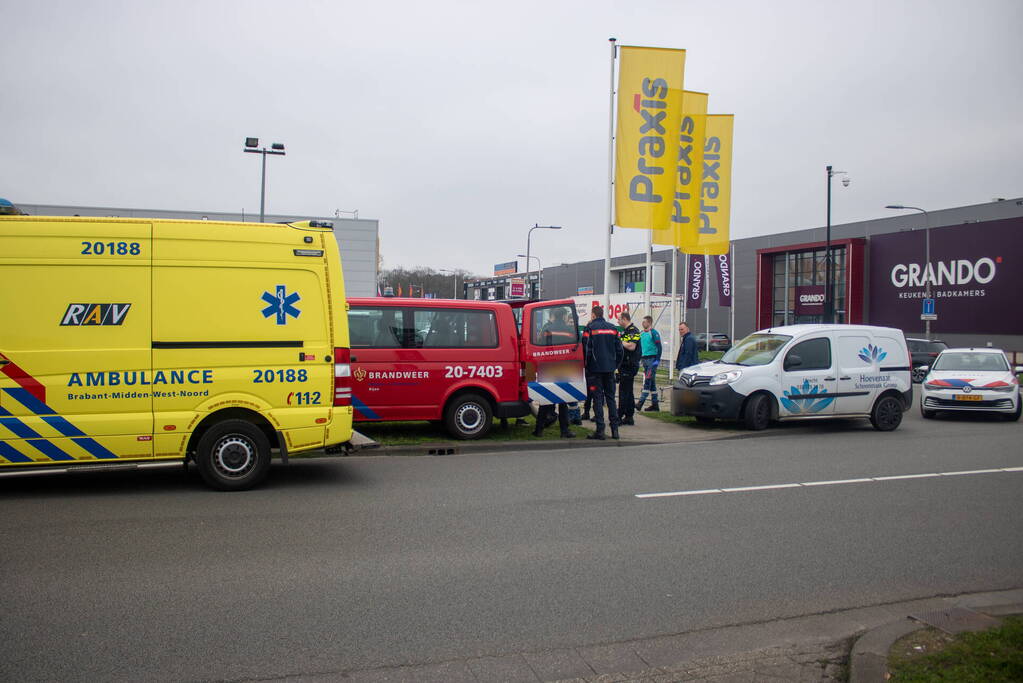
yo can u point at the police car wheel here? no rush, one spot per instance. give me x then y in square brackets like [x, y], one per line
[757, 415]
[887, 414]
[468, 417]
[233, 455]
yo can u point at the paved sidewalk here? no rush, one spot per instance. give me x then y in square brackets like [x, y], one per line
[812, 648]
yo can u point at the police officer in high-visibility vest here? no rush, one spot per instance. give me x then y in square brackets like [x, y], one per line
[603, 353]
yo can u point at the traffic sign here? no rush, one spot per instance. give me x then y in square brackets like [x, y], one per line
[928, 312]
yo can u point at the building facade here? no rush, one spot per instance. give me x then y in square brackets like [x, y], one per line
[358, 239]
[879, 276]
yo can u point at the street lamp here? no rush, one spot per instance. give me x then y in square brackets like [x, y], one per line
[927, 256]
[277, 148]
[455, 273]
[539, 272]
[528, 236]
[829, 313]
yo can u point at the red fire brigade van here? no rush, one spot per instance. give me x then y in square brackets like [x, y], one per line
[462, 362]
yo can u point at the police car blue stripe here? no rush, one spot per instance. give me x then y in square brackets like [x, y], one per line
[63, 426]
[8, 451]
[571, 390]
[97, 449]
[20, 429]
[26, 399]
[49, 450]
[546, 393]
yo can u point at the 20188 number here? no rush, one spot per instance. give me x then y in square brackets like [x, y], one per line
[270, 376]
[112, 248]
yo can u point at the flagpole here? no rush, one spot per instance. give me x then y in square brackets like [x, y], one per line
[674, 305]
[706, 298]
[649, 271]
[610, 176]
[731, 311]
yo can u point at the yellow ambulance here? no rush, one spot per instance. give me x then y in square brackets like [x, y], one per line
[144, 342]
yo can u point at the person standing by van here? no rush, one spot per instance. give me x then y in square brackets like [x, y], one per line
[651, 349]
[687, 353]
[604, 353]
[628, 369]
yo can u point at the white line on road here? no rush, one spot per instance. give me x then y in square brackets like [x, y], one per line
[833, 482]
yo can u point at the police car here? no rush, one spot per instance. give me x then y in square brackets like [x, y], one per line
[800, 372]
[971, 380]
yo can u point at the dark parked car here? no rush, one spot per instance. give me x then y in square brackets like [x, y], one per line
[718, 341]
[923, 352]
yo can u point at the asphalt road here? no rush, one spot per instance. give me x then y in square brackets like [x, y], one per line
[349, 563]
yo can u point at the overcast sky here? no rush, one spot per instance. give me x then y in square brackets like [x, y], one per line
[461, 124]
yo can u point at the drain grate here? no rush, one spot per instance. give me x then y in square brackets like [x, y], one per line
[953, 620]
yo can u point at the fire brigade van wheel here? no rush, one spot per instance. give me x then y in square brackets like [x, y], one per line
[468, 417]
[887, 414]
[757, 415]
[233, 455]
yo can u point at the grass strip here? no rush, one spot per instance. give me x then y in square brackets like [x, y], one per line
[928, 656]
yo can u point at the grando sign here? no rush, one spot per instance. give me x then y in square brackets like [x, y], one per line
[975, 274]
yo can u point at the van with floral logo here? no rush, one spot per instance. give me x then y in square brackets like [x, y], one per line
[800, 372]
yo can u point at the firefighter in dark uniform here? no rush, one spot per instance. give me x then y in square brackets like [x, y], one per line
[556, 332]
[604, 353]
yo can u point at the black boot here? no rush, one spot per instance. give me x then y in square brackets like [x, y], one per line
[597, 435]
[567, 435]
[653, 408]
[614, 432]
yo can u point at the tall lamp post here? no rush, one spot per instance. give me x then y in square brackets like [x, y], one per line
[829, 312]
[528, 236]
[539, 273]
[455, 273]
[277, 148]
[927, 256]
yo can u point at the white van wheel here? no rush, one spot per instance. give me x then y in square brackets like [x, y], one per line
[468, 417]
[887, 414]
[757, 414]
[233, 455]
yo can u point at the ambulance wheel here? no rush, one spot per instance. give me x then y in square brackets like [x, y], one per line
[468, 417]
[887, 414]
[233, 455]
[757, 415]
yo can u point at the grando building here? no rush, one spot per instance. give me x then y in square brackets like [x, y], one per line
[879, 276]
[358, 239]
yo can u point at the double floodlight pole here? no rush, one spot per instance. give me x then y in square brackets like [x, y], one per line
[829, 307]
[277, 148]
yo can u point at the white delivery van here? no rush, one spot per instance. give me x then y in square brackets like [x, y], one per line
[802, 372]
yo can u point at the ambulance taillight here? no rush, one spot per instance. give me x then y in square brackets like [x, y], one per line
[342, 377]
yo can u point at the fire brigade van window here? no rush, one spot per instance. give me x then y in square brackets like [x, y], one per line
[815, 354]
[452, 328]
[381, 328]
[553, 326]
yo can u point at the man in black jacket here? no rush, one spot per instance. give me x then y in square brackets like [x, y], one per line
[628, 369]
[604, 353]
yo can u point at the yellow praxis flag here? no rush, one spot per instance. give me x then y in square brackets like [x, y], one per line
[715, 188]
[685, 206]
[649, 110]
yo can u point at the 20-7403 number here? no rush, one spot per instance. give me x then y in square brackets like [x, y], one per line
[460, 371]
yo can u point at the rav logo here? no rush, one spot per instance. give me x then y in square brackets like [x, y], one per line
[85, 315]
[281, 305]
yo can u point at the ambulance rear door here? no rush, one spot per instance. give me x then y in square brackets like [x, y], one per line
[552, 353]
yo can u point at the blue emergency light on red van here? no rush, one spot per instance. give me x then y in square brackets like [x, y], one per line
[462, 362]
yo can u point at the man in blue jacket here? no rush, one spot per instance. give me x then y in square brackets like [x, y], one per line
[604, 353]
[687, 353]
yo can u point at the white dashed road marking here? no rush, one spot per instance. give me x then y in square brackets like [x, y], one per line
[833, 482]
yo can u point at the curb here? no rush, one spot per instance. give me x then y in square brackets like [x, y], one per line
[868, 661]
